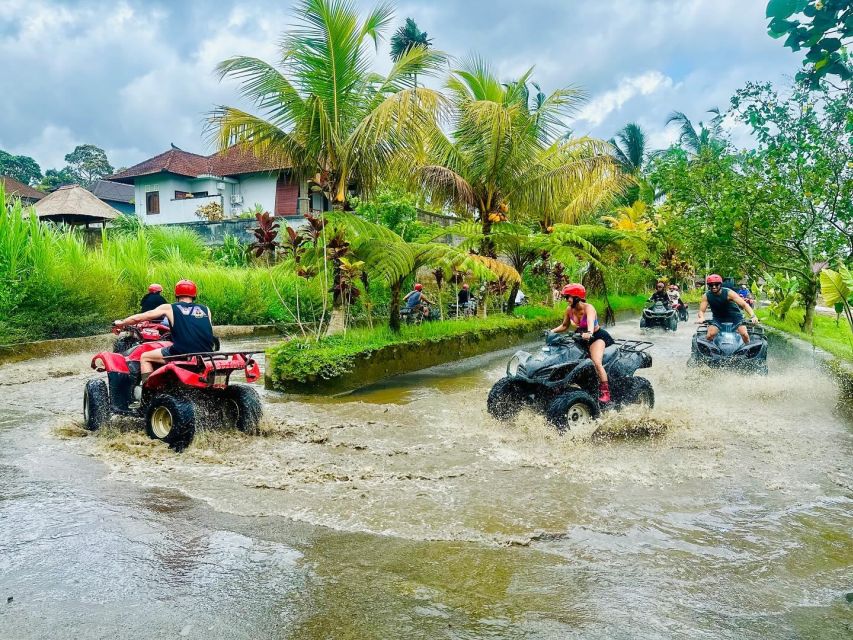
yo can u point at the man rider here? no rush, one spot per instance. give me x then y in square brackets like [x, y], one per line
[192, 327]
[464, 295]
[724, 305]
[153, 299]
[660, 295]
[415, 297]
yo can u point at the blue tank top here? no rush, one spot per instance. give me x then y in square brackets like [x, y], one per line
[192, 331]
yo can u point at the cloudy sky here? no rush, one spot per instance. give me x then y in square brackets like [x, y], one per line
[132, 76]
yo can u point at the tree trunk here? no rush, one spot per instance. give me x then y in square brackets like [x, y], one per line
[394, 320]
[510, 303]
[487, 247]
[809, 294]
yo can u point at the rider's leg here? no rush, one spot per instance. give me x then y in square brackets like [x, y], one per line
[713, 330]
[148, 360]
[596, 352]
[743, 333]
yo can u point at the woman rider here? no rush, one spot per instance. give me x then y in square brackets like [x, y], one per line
[582, 315]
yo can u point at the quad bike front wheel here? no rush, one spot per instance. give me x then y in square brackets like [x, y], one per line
[638, 390]
[672, 322]
[123, 344]
[505, 399]
[96, 405]
[643, 322]
[243, 407]
[171, 419]
[572, 409]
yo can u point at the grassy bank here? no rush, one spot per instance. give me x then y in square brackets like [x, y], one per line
[303, 360]
[836, 340]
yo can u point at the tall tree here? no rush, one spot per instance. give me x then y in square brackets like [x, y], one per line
[504, 154]
[88, 163]
[694, 140]
[629, 148]
[53, 179]
[824, 27]
[21, 168]
[407, 37]
[324, 112]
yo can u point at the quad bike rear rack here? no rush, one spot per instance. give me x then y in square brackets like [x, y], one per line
[213, 362]
[633, 346]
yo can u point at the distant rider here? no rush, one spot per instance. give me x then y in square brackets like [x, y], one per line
[582, 315]
[724, 305]
[744, 292]
[153, 299]
[464, 296]
[415, 297]
[660, 295]
[192, 327]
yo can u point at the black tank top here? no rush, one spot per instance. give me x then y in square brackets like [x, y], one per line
[192, 331]
[724, 310]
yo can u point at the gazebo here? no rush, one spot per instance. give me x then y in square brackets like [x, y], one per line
[74, 205]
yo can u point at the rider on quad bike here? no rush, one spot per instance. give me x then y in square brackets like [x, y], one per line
[192, 327]
[726, 307]
[660, 294]
[676, 302]
[582, 315]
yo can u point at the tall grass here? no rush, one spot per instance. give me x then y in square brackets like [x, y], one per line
[52, 284]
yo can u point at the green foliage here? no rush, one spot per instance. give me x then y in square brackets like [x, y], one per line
[21, 168]
[406, 37]
[781, 291]
[126, 224]
[53, 179]
[303, 359]
[88, 163]
[826, 334]
[232, 253]
[823, 27]
[392, 208]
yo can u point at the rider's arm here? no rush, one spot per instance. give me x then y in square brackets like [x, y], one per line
[591, 316]
[406, 297]
[148, 316]
[743, 305]
[703, 307]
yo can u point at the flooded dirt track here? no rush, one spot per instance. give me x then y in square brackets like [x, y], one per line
[404, 511]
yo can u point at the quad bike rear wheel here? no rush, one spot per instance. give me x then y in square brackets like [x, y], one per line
[243, 407]
[575, 408]
[96, 404]
[505, 399]
[171, 419]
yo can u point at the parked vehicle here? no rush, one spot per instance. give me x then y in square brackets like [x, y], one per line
[560, 381]
[466, 310]
[728, 350]
[658, 315]
[186, 392]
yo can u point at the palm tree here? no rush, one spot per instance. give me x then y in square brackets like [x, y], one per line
[694, 140]
[629, 148]
[633, 218]
[405, 39]
[324, 112]
[508, 151]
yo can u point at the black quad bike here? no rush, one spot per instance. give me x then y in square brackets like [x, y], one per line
[180, 396]
[560, 381]
[728, 351]
[658, 314]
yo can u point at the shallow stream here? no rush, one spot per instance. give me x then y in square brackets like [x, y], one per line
[404, 511]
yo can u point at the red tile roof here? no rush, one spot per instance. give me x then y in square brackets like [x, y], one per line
[230, 162]
[13, 187]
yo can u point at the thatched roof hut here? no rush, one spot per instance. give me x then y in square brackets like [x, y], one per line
[73, 204]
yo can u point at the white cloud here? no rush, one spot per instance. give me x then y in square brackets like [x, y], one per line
[602, 105]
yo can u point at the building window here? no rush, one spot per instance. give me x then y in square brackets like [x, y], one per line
[182, 195]
[152, 202]
[199, 194]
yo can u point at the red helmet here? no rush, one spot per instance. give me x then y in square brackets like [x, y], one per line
[713, 279]
[186, 288]
[419, 286]
[464, 286]
[155, 288]
[575, 290]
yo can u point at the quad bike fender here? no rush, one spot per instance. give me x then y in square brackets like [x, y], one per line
[111, 362]
[584, 375]
[169, 373]
[144, 347]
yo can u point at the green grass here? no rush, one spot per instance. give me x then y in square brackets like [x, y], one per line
[303, 359]
[836, 340]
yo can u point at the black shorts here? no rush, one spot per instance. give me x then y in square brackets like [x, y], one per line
[171, 351]
[719, 323]
[601, 334]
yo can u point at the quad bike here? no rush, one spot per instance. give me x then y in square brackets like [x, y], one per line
[135, 334]
[420, 313]
[177, 397]
[728, 351]
[659, 315]
[464, 310]
[560, 381]
[681, 309]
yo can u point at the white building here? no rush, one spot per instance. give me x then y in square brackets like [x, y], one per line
[170, 187]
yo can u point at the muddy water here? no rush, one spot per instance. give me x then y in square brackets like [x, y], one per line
[404, 511]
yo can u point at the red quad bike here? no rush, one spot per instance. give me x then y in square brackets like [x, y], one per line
[135, 334]
[183, 394]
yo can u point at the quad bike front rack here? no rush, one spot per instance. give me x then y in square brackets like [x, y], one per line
[633, 346]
